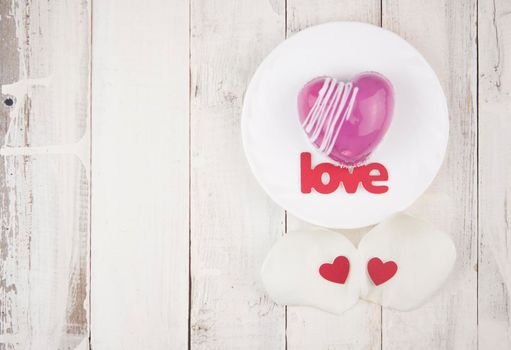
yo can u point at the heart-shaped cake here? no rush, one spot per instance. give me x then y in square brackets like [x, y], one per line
[346, 121]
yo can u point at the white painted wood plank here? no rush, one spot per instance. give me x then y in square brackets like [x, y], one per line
[140, 114]
[44, 243]
[494, 174]
[233, 223]
[44, 253]
[46, 61]
[445, 33]
[358, 328]
[305, 13]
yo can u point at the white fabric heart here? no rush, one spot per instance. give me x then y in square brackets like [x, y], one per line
[399, 264]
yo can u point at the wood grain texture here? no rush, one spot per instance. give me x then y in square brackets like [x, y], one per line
[179, 225]
[139, 297]
[46, 65]
[44, 185]
[307, 328]
[494, 174]
[233, 223]
[44, 265]
[445, 33]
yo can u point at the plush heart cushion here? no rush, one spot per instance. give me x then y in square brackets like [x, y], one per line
[399, 264]
[291, 272]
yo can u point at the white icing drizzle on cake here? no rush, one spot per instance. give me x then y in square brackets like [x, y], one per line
[330, 110]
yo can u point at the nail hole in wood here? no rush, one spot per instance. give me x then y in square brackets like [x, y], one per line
[9, 102]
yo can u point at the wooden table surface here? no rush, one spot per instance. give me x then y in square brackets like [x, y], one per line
[129, 216]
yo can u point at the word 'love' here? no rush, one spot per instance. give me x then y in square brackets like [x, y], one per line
[312, 178]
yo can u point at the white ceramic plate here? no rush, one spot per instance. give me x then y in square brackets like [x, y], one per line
[412, 150]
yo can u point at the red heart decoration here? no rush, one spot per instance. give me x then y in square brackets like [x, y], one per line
[337, 271]
[381, 272]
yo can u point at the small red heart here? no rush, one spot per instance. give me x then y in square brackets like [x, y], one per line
[337, 271]
[381, 272]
